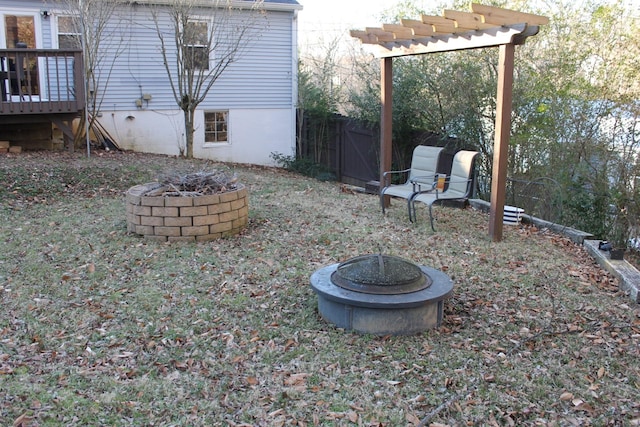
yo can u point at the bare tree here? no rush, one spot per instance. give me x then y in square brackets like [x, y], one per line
[202, 40]
[93, 26]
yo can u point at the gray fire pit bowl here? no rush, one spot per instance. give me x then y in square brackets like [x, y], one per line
[382, 314]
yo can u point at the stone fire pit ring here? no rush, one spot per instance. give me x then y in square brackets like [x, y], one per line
[186, 218]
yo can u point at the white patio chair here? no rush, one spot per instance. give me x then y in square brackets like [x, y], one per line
[421, 175]
[458, 185]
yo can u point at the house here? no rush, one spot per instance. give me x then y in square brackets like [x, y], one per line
[248, 114]
[37, 87]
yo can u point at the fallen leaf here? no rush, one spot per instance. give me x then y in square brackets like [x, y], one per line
[266, 261]
[276, 412]
[125, 354]
[490, 378]
[334, 415]
[297, 381]
[584, 407]
[412, 419]
[182, 366]
[6, 370]
[21, 421]
[566, 396]
[296, 378]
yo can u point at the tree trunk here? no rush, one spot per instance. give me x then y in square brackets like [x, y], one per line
[189, 128]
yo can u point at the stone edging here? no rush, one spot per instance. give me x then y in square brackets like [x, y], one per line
[627, 274]
[186, 218]
[576, 236]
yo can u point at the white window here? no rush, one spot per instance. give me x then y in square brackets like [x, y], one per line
[216, 125]
[196, 40]
[68, 35]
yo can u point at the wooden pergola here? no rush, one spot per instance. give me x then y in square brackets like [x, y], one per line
[484, 26]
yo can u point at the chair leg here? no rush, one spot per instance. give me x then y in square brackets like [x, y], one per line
[431, 217]
[411, 210]
[382, 202]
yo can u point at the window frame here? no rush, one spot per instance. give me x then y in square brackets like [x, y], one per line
[193, 45]
[216, 132]
[59, 33]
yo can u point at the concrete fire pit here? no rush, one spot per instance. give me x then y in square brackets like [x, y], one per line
[381, 295]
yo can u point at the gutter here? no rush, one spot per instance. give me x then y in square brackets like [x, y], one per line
[238, 4]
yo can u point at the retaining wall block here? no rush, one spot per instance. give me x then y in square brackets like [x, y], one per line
[186, 218]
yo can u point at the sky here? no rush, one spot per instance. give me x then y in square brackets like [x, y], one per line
[324, 20]
[340, 13]
[327, 19]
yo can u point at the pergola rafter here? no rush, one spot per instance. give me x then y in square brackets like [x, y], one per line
[482, 27]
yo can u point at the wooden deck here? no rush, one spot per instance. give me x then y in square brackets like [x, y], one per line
[41, 85]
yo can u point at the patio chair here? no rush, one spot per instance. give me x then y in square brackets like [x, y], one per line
[458, 185]
[421, 175]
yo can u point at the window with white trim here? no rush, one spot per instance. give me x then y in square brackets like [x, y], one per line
[216, 125]
[68, 35]
[196, 40]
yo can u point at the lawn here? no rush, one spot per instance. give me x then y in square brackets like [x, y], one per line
[100, 327]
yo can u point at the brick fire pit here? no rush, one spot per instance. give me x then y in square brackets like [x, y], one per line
[186, 218]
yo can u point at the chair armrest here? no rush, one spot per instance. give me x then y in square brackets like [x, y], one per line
[386, 176]
[433, 190]
[456, 181]
[449, 181]
[391, 172]
[424, 180]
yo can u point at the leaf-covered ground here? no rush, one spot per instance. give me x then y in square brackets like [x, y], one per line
[100, 327]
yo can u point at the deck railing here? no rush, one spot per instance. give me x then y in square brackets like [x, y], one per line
[41, 81]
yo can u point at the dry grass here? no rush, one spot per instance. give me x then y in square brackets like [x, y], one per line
[100, 327]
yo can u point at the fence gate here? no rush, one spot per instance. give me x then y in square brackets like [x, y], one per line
[359, 153]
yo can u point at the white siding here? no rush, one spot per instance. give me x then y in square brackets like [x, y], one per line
[138, 69]
[261, 78]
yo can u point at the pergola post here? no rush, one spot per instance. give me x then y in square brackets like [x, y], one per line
[386, 136]
[501, 141]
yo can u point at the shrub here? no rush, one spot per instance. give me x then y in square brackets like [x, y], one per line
[304, 167]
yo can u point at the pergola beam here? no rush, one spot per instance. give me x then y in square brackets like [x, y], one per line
[493, 37]
[399, 31]
[498, 16]
[466, 20]
[420, 29]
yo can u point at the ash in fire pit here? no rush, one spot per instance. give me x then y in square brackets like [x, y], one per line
[381, 294]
